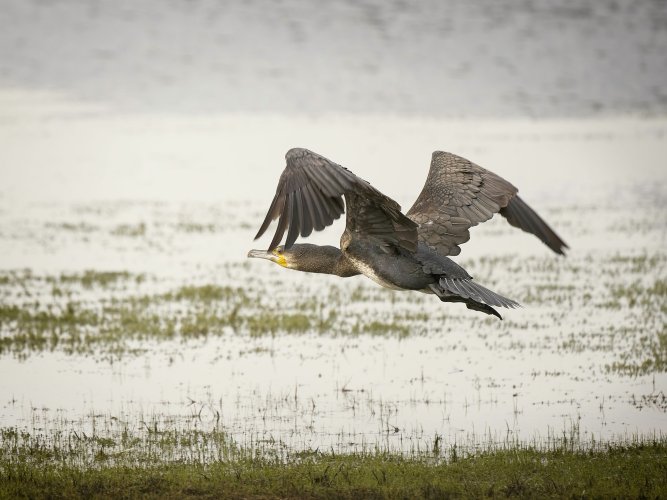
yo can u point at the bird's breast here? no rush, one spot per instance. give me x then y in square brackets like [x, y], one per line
[370, 271]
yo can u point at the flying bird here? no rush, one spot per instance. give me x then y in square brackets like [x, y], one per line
[398, 251]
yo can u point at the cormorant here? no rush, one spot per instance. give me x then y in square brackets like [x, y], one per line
[398, 251]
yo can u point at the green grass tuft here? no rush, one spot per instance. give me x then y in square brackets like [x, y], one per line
[631, 471]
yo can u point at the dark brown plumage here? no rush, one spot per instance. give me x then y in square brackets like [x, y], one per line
[458, 195]
[397, 251]
[309, 196]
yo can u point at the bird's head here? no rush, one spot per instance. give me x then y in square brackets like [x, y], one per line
[302, 257]
[277, 255]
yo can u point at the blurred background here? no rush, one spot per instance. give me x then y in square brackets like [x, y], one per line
[531, 58]
[141, 143]
[178, 99]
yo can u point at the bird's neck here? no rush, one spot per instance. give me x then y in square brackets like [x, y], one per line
[344, 267]
[326, 260]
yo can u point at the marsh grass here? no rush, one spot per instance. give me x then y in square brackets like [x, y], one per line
[99, 312]
[604, 305]
[91, 278]
[166, 463]
[62, 315]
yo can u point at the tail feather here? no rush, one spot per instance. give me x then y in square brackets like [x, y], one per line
[468, 289]
[476, 306]
[447, 296]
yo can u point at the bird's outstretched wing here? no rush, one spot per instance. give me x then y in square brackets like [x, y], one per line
[459, 194]
[310, 196]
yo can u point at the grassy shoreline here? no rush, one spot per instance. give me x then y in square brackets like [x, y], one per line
[617, 471]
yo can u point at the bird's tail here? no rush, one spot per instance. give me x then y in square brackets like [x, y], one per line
[468, 289]
[476, 297]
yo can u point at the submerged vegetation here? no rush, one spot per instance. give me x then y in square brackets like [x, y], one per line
[100, 312]
[605, 309]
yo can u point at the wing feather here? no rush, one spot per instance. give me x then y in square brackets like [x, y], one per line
[282, 226]
[459, 194]
[271, 215]
[316, 219]
[310, 196]
[519, 214]
[294, 220]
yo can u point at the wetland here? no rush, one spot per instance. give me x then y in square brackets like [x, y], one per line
[140, 349]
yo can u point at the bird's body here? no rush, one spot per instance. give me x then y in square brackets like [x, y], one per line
[398, 270]
[397, 251]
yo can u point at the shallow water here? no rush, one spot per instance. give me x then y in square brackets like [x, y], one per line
[346, 366]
